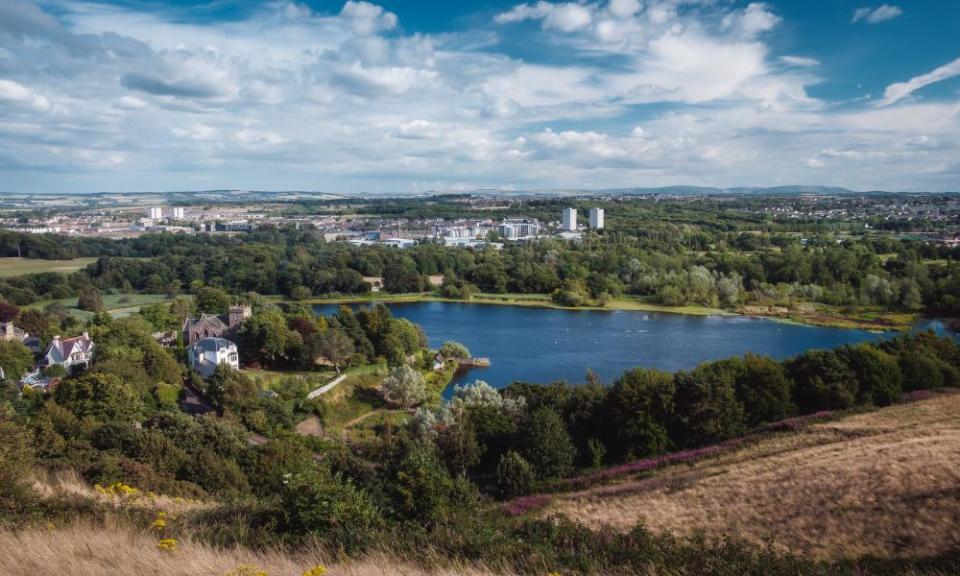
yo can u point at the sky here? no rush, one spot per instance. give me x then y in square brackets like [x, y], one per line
[412, 96]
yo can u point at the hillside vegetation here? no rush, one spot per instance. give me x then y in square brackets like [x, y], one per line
[882, 484]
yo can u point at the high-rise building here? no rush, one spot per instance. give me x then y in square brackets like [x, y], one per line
[177, 212]
[156, 212]
[570, 219]
[596, 218]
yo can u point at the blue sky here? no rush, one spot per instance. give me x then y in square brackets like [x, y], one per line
[410, 95]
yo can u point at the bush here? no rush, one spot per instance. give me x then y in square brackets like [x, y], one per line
[544, 442]
[404, 387]
[515, 476]
[321, 504]
[452, 349]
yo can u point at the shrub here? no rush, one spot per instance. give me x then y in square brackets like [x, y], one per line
[515, 476]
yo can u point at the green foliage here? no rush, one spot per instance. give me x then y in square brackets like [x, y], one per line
[452, 349]
[823, 381]
[89, 299]
[15, 359]
[16, 454]
[404, 387]
[515, 476]
[706, 406]
[641, 406]
[764, 390]
[423, 490]
[544, 442]
[878, 374]
[231, 389]
[101, 396]
[212, 300]
[317, 502]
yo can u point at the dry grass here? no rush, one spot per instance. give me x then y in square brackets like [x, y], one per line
[885, 483]
[68, 484]
[81, 550]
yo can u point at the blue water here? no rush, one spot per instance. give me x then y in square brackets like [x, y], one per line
[542, 345]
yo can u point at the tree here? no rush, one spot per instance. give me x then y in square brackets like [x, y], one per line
[333, 344]
[8, 311]
[878, 374]
[515, 476]
[16, 455]
[212, 300]
[35, 323]
[266, 338]
[101, 396]
[764, 390]
[706, 406]
[229, 388]
[452, 349]
[640, 406]
[15, 359]
[423, 489]
[89, 299]
[822, 381]
[544, 442]
[404, 387]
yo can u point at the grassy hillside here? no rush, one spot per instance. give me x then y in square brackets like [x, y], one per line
[883, 484]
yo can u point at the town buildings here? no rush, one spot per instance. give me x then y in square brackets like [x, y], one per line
[519, 228]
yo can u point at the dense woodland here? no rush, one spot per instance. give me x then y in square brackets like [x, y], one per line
[670, 262]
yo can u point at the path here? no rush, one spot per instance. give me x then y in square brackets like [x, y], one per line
[326, 387]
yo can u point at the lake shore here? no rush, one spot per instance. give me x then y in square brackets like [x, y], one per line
[823, 316]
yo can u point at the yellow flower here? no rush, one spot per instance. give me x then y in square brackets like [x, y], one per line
[316, 571]
[167, 545]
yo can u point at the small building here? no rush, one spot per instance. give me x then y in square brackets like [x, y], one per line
[375, 282]
[206, 354]
[70, 353]
[214, 326]
[9, 332]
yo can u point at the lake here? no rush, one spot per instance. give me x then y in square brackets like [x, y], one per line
[542, 344]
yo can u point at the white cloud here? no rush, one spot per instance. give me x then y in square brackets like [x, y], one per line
[753, 20]
[566, 17]
[18, 94]
[876, 15]
[800, 61]
[896, 92]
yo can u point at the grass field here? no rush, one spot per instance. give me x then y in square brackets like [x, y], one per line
[884, 483]
[118, 305]
[17, 266]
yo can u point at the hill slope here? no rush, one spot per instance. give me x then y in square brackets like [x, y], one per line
[885, 483]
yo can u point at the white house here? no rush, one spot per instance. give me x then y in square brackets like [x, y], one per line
[69, 352]
[206, 354]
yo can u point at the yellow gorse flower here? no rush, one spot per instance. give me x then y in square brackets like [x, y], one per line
[160, 522]
[117, 489]
[167, 544]
[316, 571]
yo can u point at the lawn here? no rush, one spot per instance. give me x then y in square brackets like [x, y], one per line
[19, 266]
[118, 305]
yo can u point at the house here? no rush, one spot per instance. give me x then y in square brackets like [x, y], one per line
[214, 326]
[69, 352]
[206, 354]
[375, 282]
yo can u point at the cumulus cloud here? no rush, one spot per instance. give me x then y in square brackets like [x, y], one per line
[345, 99]
[896, 92]
[876, 15]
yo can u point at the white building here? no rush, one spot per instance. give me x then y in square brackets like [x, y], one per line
[570, 219]
[596, 218]
[517, 228]
[177, 213]
[69, 352]
[206, 354]
[156, 213]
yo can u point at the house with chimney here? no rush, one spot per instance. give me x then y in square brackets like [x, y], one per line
[215, 326]
[71, 353]
[206, 354]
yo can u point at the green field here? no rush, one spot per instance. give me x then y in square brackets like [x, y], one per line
[118, 305]
[17, 266]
